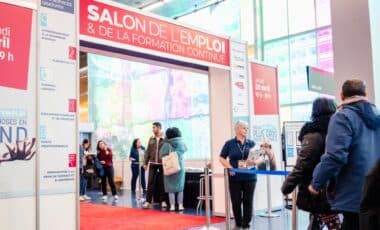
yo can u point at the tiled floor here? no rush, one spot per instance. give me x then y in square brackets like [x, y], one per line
[283, 222]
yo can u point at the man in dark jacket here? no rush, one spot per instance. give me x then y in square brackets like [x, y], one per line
[352, 149]
[155, 167]
[370, 203]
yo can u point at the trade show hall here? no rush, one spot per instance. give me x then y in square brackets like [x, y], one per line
[189, 114]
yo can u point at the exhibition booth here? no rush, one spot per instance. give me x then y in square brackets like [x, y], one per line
[107, 73]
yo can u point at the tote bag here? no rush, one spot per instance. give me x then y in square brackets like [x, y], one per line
[170, 163]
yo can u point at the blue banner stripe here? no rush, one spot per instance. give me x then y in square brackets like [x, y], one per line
[263, 172]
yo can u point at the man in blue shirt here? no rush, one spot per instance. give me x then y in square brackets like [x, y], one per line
[242, 186]
[352, 149]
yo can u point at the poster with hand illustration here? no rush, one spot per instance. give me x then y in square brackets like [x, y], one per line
[18, 101]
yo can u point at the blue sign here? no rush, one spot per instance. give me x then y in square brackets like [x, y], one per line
[61, 5]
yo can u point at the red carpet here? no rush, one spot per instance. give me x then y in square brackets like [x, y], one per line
[103, 217]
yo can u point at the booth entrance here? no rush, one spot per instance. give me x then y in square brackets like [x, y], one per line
[47, 99]
[122, 95]
[170, 73]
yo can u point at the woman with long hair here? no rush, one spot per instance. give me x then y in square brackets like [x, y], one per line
[312, 137]
[137, 161]
[105, 158]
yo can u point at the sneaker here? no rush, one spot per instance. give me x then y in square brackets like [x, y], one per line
[116, 197]
[146, 205]
[81, 198]
[104, 198]
[180, 207]
[86, 197]
[163, 204]
[172, 208]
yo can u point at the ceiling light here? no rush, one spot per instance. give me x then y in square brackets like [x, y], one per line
[153, 5]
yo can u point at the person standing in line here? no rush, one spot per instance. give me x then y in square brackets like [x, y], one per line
[137, 157]
[242, 186]
[352, 150]
[312, 137]
[105, 157]
[175, 184]
[83, 149]
[152, 159]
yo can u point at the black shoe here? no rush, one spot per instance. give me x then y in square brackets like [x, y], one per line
[238, 225]
[246, 226]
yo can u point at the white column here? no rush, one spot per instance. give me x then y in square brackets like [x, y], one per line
[374, 9]
[355, 42]
[221, 130]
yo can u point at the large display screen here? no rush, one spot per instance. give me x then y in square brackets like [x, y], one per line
[126, 97]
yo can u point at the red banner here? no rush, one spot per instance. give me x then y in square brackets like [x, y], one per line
[110, 23]
[15, 33]
[265, 89]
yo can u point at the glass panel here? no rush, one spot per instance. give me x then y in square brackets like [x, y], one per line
[325, 50]
[301, 15]
[277, 54]
[197, 19]
[301, 112]
[247, 22]
[118, 102]
[302, 53]
[274, 19]
[225, 19]
[323, 12]
[285, 114]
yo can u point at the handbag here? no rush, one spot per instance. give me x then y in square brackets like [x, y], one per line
[89, 171]
[170, 163]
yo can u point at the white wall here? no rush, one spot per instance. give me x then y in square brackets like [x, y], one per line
[18, 213]
[352, 43]
[58, 212]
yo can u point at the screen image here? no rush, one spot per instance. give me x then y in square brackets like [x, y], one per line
[125, 97]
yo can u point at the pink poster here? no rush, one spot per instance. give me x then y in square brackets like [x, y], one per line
[15, 33]
[265, 92]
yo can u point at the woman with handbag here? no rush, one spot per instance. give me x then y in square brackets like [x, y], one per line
[312, 137]
[174, 178]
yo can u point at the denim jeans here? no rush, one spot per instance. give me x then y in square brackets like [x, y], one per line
[82, 183]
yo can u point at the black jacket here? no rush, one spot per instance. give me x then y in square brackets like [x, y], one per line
[370, 203]
[312, 137]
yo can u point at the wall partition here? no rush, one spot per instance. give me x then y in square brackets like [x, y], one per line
[38, 147]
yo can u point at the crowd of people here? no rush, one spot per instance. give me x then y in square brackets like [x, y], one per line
[170, 187]
[340, 147]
